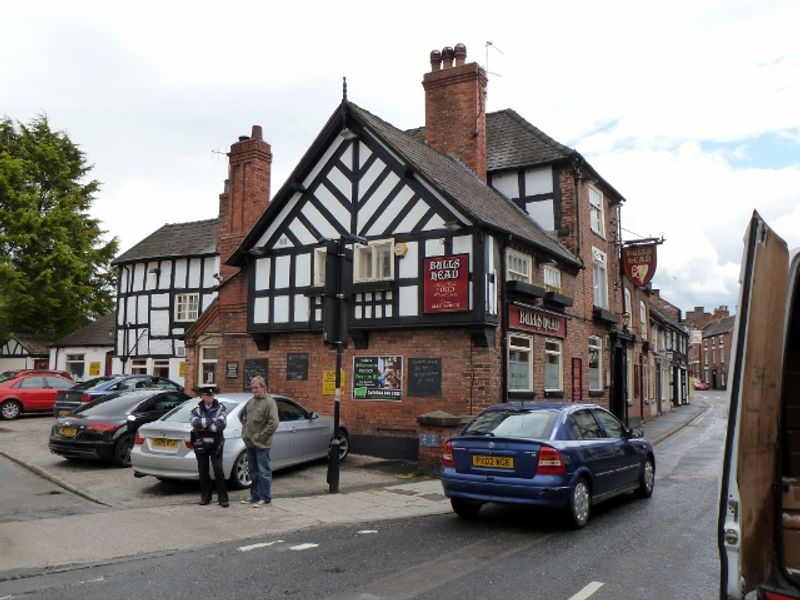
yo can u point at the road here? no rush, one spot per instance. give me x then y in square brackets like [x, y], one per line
[663, 548]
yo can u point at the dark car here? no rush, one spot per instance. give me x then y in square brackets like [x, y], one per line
[92, 389]
[30, 392]
[104, 429]
[554, 455]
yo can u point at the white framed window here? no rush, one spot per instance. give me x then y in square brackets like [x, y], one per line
[75, 365]
[626, 309]
[518, 266]
[320, 259]
[552, 278]
[643, 320]
[595, 364]
[596, 218]
[187, 306]
[375, 261]
[553, 371]
[599, 278]
[520, 363]
[208, 364]
[722, 351]
[139, 366]
[161, 367]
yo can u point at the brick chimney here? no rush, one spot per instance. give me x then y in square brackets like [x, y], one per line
[455, 107]
[246, 194]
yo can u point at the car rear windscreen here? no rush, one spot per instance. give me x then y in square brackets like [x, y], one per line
[516, 424]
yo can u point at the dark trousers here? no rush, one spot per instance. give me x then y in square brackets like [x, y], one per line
[215, 458]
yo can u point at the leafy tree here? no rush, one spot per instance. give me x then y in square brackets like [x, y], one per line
[55, 267]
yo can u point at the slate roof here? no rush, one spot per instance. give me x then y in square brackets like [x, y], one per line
[34, 346]
[98, 333]
[175, 239]
[721, 326]
[469, 193]
[661, 316]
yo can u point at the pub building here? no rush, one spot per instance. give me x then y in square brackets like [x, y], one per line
[481, 265]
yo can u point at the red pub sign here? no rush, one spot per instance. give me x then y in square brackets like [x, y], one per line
[536, 321]
[639, 263]
[446, 286]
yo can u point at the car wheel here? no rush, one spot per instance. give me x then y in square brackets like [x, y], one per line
[10, 409]
[465, 508]
[344, 445]
[579, 503]
[647, 479]
[122, 451]
[240, 476]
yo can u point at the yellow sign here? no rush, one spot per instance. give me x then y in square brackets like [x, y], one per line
[329, 381]
[94, 368]
[182, 369]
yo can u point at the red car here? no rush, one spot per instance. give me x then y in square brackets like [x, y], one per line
[30, 392]
[700, 385]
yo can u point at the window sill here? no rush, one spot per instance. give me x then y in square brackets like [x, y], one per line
[374, 286]
[596, 393]
[554, 393]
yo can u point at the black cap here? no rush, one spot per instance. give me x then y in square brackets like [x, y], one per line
[202, 390]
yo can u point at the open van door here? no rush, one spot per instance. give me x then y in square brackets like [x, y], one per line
[748, 508]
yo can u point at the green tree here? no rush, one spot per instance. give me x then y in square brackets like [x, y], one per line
[55, 266]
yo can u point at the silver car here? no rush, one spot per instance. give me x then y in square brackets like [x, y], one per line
[162, 448]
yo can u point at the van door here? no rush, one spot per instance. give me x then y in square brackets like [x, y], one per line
[746, 524]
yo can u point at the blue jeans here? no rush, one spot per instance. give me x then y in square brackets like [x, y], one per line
[260, 474]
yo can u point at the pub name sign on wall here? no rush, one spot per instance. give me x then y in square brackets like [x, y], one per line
[446, 283]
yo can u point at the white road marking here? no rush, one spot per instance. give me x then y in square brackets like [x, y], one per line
[587, 591]
[257, 546]
[303, 546]
[366, 531]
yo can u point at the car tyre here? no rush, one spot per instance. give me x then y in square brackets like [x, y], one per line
[465, 509]
[579, 505]
[647, 479]
[240, 474]
[122, 451]
[10, 409]
[344, 445]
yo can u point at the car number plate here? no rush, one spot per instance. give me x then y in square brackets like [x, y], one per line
[164, 443]
[499, 462]
[63, 412]
[68, 431]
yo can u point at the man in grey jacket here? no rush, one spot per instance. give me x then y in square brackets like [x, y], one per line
[259, 421]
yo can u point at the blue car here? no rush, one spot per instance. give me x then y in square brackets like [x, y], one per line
[98, 387]
[553, 455]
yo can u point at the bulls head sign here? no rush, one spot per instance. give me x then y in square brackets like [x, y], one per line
[639, 263]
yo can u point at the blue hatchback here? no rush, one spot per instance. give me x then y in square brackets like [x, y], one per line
[555, 455]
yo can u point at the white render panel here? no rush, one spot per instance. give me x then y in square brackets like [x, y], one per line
[160, 346]
[194, 272]
[321, 223]
[542, 213]
[159, 322]
[397, 205]
[300, 308]
[142, 309]
[130, 317]
[460, 217]
[165, 279]
[368, 178]
[120, 347]
[539, 181]
[261, 310]
[409, 300]
[152, 278]
[462, 244]
[159, 301]
[281, 309]
[282, 264]
[120, 316]
[435, 222]
[210, 268]
[317, 314]
[302, 233]
[322, 162]
[123, 279]
[206, 300]
[139, 277]
[507, 184]
[413, 216]
[278, 221]
[386, 186]
[180, 273]
[262, 273]
[340, 181]
[302, 270]
[363, 154]
[409, 266]
[434, 247]
[336, 208]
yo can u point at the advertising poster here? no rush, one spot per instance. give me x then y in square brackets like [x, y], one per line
[377, 377]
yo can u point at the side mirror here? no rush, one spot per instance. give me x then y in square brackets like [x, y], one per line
[635, 432]
[313, 415]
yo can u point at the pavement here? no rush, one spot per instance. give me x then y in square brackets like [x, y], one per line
[34, 546]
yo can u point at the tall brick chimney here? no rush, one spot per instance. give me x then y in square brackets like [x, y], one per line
[246, 194]
[455, 108]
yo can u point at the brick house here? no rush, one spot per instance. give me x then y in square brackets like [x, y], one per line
[696, 320]
[716, 352]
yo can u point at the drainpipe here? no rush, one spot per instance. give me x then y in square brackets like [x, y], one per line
[503, 313]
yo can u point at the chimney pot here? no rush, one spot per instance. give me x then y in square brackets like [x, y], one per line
[243, 138]
[461, 54]
[447, 56]
[257, 134]
[436, 60]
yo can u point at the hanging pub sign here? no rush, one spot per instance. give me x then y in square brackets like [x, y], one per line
[536, 321]
[639, 263]
[446, 279]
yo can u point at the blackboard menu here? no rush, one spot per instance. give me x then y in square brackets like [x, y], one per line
[253, 367]
[297, 366]
[425, 377]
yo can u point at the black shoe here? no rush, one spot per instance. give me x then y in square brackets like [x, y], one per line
[224, 504]
[204, 501]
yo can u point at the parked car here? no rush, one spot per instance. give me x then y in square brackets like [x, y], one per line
[92, 389]
[554, 455]
[700, 385]
[6, 375]
[162, 449]
[30, 392]
[104, 429]
[759, 505]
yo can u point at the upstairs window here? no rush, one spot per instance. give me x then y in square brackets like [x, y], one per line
[643, 321]
[552, 278]
[626, 317]
[320, 259]
[596, 216]
[186, 307]
[518, 266]
[375, 261]
[599, 278]
[595, 364]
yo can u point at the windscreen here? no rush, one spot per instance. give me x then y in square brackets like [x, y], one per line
[513, 423]
[182, 413]
[90, 384]
[115, 405]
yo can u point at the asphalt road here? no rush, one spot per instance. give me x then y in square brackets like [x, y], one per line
[663, 548]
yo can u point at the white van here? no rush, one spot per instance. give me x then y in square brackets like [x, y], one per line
[759, 510]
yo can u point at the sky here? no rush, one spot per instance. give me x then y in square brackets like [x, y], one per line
[690, 109]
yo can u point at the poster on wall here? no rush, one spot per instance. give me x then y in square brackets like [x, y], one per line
[377, 377]
[446, 283]
[253, 367]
